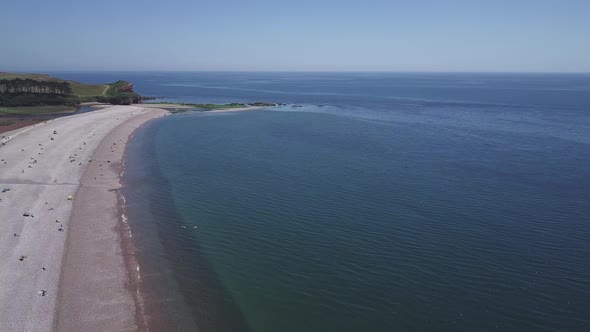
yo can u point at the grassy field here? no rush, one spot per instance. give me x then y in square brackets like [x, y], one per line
[88, 90]
[6, 122]
[35, 110]
[38, 77]
[79, 89]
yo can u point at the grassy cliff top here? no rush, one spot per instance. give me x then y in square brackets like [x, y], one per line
[79, 89]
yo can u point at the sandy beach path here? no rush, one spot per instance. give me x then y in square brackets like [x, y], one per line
[43, 165]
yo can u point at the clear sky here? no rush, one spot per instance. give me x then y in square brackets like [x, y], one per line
[296, 35]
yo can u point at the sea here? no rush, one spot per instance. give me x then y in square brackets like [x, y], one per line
[364, 202]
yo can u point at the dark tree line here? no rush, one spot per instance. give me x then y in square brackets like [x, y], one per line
[30, 86]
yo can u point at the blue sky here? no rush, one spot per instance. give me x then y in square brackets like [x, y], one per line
[303, 35]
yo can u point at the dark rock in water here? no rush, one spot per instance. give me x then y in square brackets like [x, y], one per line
[259, 103]
[152, 98]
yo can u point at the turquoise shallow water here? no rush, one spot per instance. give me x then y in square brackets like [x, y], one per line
[461, 205]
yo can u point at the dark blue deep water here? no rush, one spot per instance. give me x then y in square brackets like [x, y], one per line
[387, 202]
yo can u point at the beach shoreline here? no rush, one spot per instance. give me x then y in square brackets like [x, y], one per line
[124, 312]
[65, 265]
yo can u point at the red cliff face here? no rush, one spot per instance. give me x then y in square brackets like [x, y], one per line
[126, 88]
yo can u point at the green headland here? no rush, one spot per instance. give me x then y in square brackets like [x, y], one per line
[44, 94]
[28, 94]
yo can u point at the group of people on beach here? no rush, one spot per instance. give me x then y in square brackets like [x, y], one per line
[27, 214]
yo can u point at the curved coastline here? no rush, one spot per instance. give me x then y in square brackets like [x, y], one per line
[64, 223]
[110, 301]
[155, 310]
[174, 295]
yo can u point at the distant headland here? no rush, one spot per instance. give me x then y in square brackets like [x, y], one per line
[44, 94]
[36, 94]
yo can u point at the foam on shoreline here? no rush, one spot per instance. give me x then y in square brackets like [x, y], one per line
[111, 301]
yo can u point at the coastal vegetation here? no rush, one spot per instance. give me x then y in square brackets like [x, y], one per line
[219, 106]
[42, 94]
[120, 93]
[32, 86]
[78, 89]
[30, 92]
[211, 107]
[30, 110]
[27, 94]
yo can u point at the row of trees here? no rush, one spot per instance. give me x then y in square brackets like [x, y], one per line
[29, 92]
[30, 86]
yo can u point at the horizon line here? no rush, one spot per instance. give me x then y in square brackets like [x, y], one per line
[40, 71]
